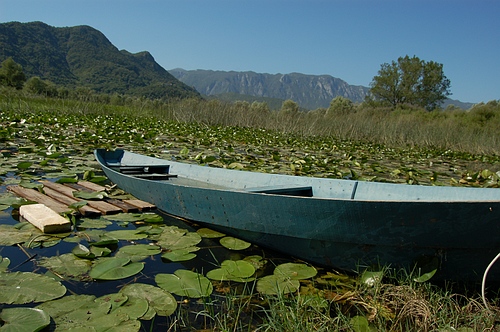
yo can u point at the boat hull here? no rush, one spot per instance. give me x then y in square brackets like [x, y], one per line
[343, 233]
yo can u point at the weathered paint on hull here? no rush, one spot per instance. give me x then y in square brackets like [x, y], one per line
[341, 233]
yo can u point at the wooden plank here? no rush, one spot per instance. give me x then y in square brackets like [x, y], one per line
[96, 188]
[92, 186]
[84, 210]
[141, 205]
[44, 218]
[36, 196]
[102, 206]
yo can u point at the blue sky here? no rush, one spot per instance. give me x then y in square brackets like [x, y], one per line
[348, 39]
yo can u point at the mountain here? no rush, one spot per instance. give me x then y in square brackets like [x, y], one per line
[309, 91]
[82, 56]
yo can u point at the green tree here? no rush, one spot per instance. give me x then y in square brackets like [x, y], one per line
[411, 81]
[12, 74]
[340, 106]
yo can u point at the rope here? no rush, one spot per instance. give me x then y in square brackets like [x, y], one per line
[483, 286]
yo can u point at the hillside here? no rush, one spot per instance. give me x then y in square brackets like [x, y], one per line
[81, 56]
[309, 91]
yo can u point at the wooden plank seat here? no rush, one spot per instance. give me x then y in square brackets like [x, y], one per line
[139, 169]
[303, 191]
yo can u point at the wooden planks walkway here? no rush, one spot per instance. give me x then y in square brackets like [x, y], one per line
[58, 197]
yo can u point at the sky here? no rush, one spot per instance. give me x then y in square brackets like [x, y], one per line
[347, 39]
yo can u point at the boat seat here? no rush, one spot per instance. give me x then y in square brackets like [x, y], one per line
[154, 176]
[305, 191]
[140, 169]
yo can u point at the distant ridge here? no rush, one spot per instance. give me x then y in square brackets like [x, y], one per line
[81, 56]
[309, 91]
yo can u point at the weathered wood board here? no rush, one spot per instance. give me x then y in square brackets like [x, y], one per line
[58, 197]
[44, 218]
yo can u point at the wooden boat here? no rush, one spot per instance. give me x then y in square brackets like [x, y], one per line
[344, 224]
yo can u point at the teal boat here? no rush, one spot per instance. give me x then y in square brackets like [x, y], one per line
[342, 224]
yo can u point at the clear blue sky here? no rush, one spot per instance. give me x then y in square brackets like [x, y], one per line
[348, 39]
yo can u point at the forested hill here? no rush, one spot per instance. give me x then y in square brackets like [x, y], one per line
[309, 91]
[82, 56]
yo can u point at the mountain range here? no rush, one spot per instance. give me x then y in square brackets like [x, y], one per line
[82, 56]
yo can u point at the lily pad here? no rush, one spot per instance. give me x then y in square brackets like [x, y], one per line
[185, 283]
[136, 217]
[93, 223]
[240, 271]
[127, 234]
[274, 284]
[10, 235]
[161, 302]
[179, 255]
[233, 243]
[209, 233]
[4, 263]
[295, 271]
[24, 319]
[26, 287]
[66, 265]
[173, 238]
[115, 268]
[138, 252]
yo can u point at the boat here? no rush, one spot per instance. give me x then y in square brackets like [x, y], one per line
[344, 224]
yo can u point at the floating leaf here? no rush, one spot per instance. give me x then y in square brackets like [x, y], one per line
[239, 271]
[67, 265]
[26, 287]
[138, 252]
[127, 234]
[68, 180]
[93, 223]
[95, 195]
[234, 243]
[173, 238]
[275, 284]
[115, 268]
[24, 319]
[10, 235]
[135, 217]
[179, 255]
[24, 165]
[295, 271]
[160, 301]
[209, 233]
[4, 263]
[185, 283]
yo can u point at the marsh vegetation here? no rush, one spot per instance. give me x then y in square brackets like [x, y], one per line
[53, 138]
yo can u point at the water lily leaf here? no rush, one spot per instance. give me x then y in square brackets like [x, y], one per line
[138, 252]
[10, 235]
[135, 217]
[116, 300]
[26, 287]
[115, 268]
[209, 233]
[173, 238]
[4, 263]
[67, 304]
[233, 243]
[30, 185]
[82, 251]
[371, 278]
[179, 255]
[274, 284]
[95, 195]
[295, 271]
[24, 165]
[185, 283]
[24, 319]
[67, 265]
[127, 234]
[94, 223]
[160, 301]
[240, 271]
[134, 308]
[68, 180]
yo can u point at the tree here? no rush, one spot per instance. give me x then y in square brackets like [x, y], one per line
[340, 106]
[11, 74]
[411, 81]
